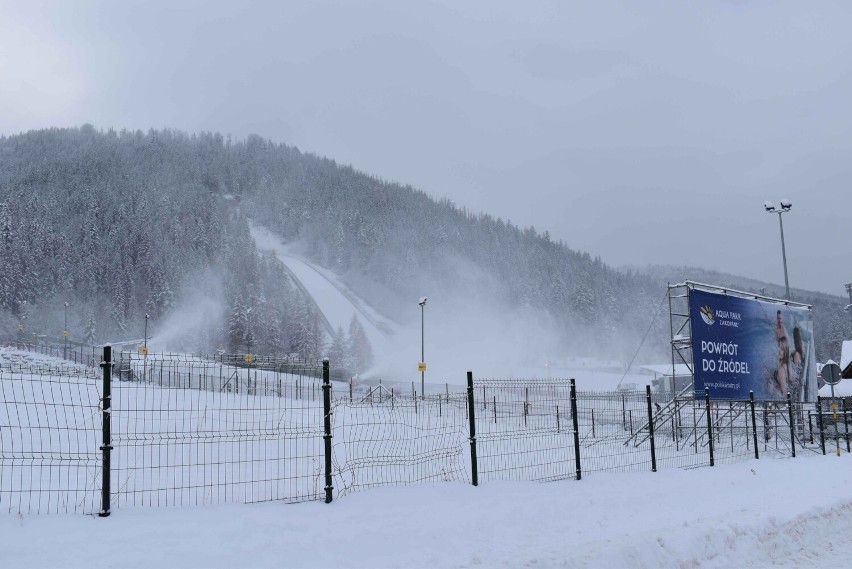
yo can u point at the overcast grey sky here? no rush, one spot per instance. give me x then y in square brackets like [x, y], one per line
[642, 132]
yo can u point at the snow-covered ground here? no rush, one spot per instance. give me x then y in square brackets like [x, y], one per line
[762, 513]
[782, 512]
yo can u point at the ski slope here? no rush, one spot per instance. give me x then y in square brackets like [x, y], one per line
[336, 302]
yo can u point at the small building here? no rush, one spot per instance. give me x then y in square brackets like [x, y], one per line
[843, 390]
[663, 377]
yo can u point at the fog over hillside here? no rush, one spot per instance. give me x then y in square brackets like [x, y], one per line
[123, 224]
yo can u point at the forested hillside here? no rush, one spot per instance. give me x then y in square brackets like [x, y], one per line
[120, 224]
[123, 225]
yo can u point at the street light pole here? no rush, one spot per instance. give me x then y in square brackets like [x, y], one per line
[849, 290]
[65, 335]
[145, 352]
[786, 206]
[422, 349]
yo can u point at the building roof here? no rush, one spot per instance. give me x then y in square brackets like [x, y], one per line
[842, 389]
[846, 359]
[666, 369]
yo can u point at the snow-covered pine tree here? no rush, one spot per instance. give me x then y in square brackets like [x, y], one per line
[359, 346]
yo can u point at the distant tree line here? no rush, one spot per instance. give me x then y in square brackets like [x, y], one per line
[123, 224]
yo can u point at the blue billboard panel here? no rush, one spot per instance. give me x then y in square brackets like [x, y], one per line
[742, 344]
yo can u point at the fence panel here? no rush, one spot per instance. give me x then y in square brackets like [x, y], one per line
[384, 439]
[614, 434]
[191, 431]
[836, 422]
[524, 430]
[50, 429]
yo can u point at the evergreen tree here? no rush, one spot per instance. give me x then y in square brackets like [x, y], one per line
[359, 346]
[89, 329]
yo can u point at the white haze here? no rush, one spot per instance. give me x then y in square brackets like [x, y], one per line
[199, 306]
[644, 132]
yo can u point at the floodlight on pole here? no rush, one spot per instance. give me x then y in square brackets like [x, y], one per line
[786, 205]
[422, 366]
[848, 307]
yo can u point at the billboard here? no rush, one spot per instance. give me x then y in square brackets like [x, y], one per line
[745, 344]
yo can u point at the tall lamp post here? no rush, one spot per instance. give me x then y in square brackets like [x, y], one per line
[145, 352]
[849, 306]
[786, 205]
[422, 365]
[65, 335]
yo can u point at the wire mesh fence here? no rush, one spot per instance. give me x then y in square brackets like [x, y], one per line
[614, 434]
[829, 425]
[524, 430]
[193, 430]
[184, 430]
[386, 439]
[50, 434]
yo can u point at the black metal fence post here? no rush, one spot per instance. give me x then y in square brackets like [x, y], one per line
[753, 423]
[819, 423]
[709, 424]
[846, 425]
[471, 414]
[575, 425]
[106, 439]
[651, 429]
[811, 426]
[326, 407]
[792, 424]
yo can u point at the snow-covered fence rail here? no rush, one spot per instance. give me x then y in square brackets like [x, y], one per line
[227, 373]
[74, 352]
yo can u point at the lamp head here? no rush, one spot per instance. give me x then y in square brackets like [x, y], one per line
[769, 206]
[422, 301]
[786, 205]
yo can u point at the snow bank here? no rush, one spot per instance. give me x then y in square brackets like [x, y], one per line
[783, 513]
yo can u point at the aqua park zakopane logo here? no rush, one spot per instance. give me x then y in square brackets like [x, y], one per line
[707, 315]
